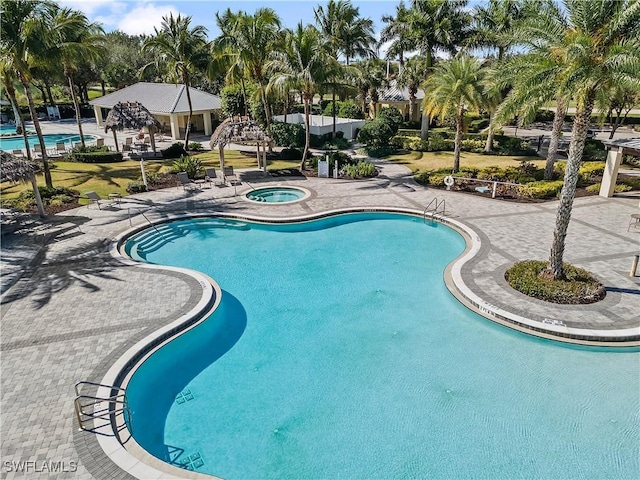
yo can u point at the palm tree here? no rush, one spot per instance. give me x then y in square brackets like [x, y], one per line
[75, 40]
[599, 48]
[344, 33]
[23, 27]
[455, 88]
[372, 78]
[397, 30]
[182, 50]
[437, 25]
[411, 76]
[494, 24]
[303, 65]
[252, 38]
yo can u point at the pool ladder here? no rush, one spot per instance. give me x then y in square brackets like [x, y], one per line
[434, 207]
[98, 414]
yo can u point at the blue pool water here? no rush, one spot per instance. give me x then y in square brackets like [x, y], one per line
[11, 129]
[50, 140]
[337, 352]
[276, 195]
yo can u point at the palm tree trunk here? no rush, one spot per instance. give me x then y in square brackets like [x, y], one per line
[307, 136]
[488, 147]
[578, 137]
[552, 153]
[47, 85]
[424, 127]
[115, 139]
[458, 143]
[11, 95]
[412, 99]
[36, 125]
[267, 114]
[104, 91]
[188, 129]
[76, 106]
[333, 111]
[244, 97]
[36, 194]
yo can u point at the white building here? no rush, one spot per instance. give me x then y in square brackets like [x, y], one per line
[321, 124]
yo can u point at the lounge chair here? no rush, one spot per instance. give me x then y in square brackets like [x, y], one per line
[99, 142]
[37, 151]
[61, 148]
[18, 153]
[210, 175]
[185, 181]
[95, 198]
[230, 176]
[128, 141]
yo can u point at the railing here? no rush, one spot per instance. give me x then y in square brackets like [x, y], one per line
[145, 217]
[100, 410]
[434, 207]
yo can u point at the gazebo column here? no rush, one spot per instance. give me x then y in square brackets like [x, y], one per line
[206, 116]
[221, 151]
[258, 153]
[175, 126]
[610, 174]
[98, 112]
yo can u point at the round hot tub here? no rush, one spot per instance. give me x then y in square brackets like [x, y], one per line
[277, 195]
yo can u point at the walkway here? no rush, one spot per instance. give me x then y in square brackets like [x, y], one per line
[70, 309]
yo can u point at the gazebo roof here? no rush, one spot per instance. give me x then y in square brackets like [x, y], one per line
[238, 130]
[14, 169]
[630, 146]
[131, 115]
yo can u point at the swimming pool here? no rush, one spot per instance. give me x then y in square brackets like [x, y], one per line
[50, 140]
[338, 352]
[277, 195]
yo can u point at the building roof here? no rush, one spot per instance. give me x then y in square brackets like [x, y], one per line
[164, 98]
[394, 93]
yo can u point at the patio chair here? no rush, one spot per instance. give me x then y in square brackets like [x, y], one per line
[37, 151]
[61, 148]
[230, 176]
[18, 153]
[95, 198]
[128, 141]
[99, 142]
[186, 182]
[210, 175]
[147, 139]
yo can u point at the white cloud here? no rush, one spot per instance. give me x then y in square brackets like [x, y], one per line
[143, 18]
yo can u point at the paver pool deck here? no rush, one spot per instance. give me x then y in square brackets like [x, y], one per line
[69, 309]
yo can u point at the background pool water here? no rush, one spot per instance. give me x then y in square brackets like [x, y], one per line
[337, 352]
[50, 140]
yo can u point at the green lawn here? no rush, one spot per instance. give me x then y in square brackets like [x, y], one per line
[109, 178]
[421, 161]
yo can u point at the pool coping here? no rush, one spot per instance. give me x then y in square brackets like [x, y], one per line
[133, 459]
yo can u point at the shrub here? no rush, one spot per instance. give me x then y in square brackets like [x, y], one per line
[619, 188]
[327, 110]
[544, 116]
[408, 132]
[578, 287]
[378, 152]
[54, 196]
[349, 109]
[393, 116]
[360, 170]
[590, 170]
[541, 189]
[136, 187]
[232, 100]
[93, 154]
[191, 165]
[288, 135]
[478, 124]
[290, 154]
[511, 146]
[438, 143]
[196, 146]
[336, 144]
[469, 145]
[175, 150]
[594, 150]
[342, 158]
[324, 103]
[377, 133]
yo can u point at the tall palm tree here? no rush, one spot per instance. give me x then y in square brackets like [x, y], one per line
[182, 50]
[303, 65]
[494, 23]
[252, 38]
[411, 76]
[437, 26]
[397, 30]
[346, 33]
[75, 40]
[23, 38]
[599, 48]
[455, 88]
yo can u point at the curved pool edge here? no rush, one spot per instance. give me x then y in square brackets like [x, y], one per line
[136, 461]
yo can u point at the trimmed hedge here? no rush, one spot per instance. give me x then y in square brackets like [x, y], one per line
[578, 287]
[541, 189]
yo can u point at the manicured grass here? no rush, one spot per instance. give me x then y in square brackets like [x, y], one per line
[421, 161]
[109, 178]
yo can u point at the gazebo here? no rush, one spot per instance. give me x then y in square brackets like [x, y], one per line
[14, 169]
[616, 149]
[131, 115]
[241, 130]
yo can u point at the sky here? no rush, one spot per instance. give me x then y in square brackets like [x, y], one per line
[141, 16]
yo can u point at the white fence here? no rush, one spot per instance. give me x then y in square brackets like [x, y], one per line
[321, 124]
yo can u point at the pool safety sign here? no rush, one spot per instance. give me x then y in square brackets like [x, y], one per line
[323, 169]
